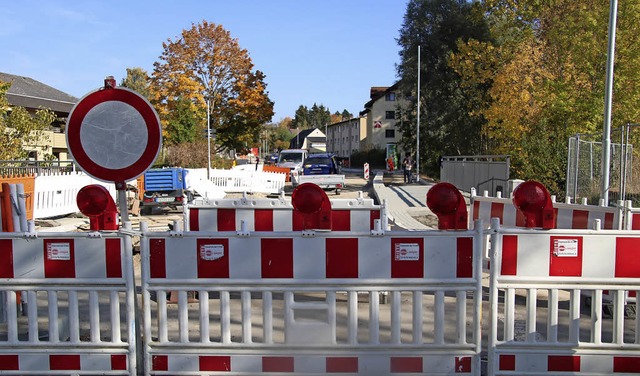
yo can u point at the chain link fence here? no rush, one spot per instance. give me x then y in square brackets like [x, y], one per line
[584, 171]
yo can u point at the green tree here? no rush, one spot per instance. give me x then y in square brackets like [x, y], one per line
[20, 130]
[206, 65]
[182, 124]
[319, 116]
[301, 118]
[448, 124]
[138, 80]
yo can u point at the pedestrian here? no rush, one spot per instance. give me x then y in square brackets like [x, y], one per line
[407, 166]
[390, 164]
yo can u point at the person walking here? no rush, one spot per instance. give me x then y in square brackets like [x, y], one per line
[407, 166]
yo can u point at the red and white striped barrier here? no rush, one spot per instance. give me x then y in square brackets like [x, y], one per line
[557, 269]
[631, 217]
[292, 297]
[77, 284]
[46, 363]
[278, 215]
[568, 216]
[319, 364]
[544, 256]
[524, 364]
[295, 257]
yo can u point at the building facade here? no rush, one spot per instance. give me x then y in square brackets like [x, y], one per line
[375, 128]
[381, 113]
[344, 138]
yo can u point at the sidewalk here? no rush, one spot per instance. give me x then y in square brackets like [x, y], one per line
[404, 202]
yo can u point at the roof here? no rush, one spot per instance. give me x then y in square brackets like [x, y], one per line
[377, 92]
[29, 93]
[298, 140]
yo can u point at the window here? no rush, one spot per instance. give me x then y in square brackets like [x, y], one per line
[390, 133]
[390, 115]
[390, 97]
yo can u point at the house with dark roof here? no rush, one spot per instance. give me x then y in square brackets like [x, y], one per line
[34, 95]
[310, 139]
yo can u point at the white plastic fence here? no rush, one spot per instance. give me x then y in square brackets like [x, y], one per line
[558, 330]
[77, 301]
[256, 181]
[55, 194]
[288, 302]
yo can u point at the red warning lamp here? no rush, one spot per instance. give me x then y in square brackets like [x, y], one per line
[446, 201]
[534, 201]
[95, 202]
[314, 205]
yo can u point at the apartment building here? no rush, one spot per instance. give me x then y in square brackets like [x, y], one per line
[34, 95]
[374, 128]
[343, 138]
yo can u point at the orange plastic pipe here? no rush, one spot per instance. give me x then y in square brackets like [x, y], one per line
[7, 217]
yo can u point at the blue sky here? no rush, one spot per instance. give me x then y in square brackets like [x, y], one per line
[328, 52]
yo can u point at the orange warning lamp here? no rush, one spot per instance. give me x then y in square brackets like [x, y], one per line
[95, 202]
[534, 201]
[314, 205]
[446, 201]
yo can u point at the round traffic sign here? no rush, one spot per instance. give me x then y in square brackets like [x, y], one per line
[114, 134]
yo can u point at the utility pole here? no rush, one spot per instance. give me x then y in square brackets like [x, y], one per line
[418, 126]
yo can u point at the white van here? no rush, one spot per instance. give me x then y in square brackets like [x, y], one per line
[292, 159]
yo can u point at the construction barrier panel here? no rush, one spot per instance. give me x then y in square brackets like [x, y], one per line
[568, 216]
[277, 215]
[310, 302]
[69, 300]
[560, 278]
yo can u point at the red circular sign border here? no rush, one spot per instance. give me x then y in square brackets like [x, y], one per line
[152, 122]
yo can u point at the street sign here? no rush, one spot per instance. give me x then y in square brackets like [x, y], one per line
[114, 134]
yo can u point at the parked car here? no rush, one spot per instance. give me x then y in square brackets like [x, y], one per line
[292, 159]
[321, 164]
[272, 159]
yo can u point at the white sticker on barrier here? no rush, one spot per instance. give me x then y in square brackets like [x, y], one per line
[210, 252]
[58, 251]
[407, 252]
[565, 247]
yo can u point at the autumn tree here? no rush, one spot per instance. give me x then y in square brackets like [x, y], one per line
[206, 68]
[20, 130]
[544, 70]
[137, 79]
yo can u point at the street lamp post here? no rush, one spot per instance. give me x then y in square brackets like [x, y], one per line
[606, 131]
[418, 125]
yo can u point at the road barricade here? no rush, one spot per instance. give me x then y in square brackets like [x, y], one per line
[69, 299]
[631, 217]
[308, 302]
[358, 214]
[568, 216]
[552, 270]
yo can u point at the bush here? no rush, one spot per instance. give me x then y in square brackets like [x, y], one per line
[375, 157]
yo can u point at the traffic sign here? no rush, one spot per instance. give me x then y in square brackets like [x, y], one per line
[114, 134]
